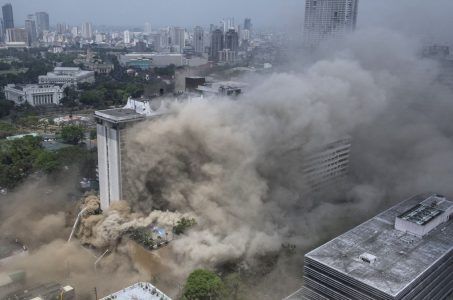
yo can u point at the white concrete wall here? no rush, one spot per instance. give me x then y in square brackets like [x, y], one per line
[103, 166]
[113, 155]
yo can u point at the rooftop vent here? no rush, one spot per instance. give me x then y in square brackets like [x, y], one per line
[368, 258]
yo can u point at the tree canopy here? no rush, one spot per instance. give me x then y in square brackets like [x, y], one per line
[72, 134]
[203, 285]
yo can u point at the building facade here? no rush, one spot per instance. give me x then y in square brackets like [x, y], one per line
[42, 22]
[67, 75]
[87, 31]
[232, 40]
[30, 27]
[112, 127]
[404, 253]
[8, 19]
[34, 94]
[16, 36]
[149, 60]
[217, 45]
[198, 40]
[326, 19]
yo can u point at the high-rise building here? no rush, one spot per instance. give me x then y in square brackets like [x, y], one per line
[30, 27]
[42, 22]
[178, 37]
[141, 290]
[325, 19]
[127, 37]
[61, 28]
[198, 40]
[248, 24]
[216, 44]
[232, 40]
[112, 128]
[2, 30]
[87, 30]
[406, 252]
[8, 19]
[147, 28]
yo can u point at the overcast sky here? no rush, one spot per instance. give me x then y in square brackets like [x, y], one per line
[424, 17]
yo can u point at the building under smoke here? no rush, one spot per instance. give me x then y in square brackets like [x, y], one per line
[138, 291]
[111, 131]
[406, 252]
[325, 19]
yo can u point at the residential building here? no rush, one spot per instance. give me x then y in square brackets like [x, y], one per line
[327, 19]
[34, 94]
[112, 127]
[30, 27]
[248, 24]
[406, 252]
[87, 31]
[138, 291]
[127, 37]
[67, 75]
[8, 19]
[198, 40]
[217, 45]
[178, 37]
[42, 22]
[147, 28]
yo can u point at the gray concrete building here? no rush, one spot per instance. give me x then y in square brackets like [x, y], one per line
[404, 253]
[326, 19]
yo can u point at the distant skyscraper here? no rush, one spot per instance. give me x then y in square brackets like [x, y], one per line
[248, 24]
[232, 40]
[2, 30]
[87, 31]
[127, 37]
[61, 28]
[147, 28]
[216, 44]
[30, 27]
[198, 40]
[326, 19]
[178, 37]
[42, 22]
[8, 19]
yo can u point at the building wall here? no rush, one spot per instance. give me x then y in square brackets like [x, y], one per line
[35, 95]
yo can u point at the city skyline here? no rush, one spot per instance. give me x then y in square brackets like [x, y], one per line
[408, 16]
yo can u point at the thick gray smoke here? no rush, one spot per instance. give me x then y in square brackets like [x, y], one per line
[232, 164]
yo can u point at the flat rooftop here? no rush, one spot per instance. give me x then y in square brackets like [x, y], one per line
[420, 214]
[10, 247]
[119, 115]
[400, 257]
[138, 291]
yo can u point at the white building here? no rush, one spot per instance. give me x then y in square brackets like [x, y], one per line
[67, 75]
[147, 28]
[34, 94]
[112, 125]
[138, 291]
[326, 19]
[126, 37]
[87, 31]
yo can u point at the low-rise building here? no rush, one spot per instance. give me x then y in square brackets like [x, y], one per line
[67, 75]
[146, 61]
[34, 94]
[138, 291]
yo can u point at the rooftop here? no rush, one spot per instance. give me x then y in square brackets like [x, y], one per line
[10, 247]
[134, 110]
[119, 115]
[398, 257]
[138, 291]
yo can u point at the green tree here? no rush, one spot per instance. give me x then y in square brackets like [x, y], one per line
[6, 129]
[203, 285]
[72, 134]
[183, 224]
[47, 162]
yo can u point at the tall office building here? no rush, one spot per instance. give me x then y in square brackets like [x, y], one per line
[232, 40]
[217, 44]
[8, 19]
[2, 30]
[126, 37]
[87, 30]
[248, 24]
[112, 127]
[325, 19]
[178, 37]
[198, 40]
[42, 22]
[30, 27]
[404, 253]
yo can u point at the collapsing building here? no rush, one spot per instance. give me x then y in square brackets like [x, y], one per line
[111, 131]
[406, 252]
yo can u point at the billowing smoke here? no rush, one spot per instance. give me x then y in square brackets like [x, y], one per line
[234, 166]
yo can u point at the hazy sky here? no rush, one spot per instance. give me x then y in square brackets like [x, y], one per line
[415, 16]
